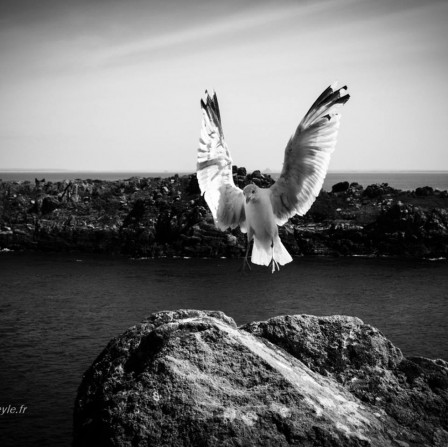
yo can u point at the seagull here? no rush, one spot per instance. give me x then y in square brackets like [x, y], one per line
[259, 211]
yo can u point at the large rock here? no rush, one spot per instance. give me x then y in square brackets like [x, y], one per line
[192, 378]
[413, 391]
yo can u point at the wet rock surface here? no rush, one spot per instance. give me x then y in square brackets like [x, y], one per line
[190, 378]
[167, 217]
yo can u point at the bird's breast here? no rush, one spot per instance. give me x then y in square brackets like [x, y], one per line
[260, 217]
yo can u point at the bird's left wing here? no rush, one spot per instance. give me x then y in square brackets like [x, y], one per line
[307, 156]
[214, 169]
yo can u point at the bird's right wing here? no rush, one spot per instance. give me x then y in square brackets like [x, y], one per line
[214, 170]
[307, 156]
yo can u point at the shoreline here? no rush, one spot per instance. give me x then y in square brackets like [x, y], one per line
[6, 251]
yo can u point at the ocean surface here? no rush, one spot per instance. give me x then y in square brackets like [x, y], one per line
[57, 313]
[399, 180]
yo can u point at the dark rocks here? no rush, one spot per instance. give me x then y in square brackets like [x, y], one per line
[193, 186]
[340, 187]
[49, 204]
[375, 191]
[242, 172]
[190, 378]
[424, 191]
[168, 217]
[409, 230]
[259, 179]
[136, 214]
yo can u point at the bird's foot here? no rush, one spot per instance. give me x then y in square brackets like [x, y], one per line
[275, 265]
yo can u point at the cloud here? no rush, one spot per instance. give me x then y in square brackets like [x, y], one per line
[241, 23]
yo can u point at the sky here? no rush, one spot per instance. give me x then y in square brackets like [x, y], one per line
[115, 85]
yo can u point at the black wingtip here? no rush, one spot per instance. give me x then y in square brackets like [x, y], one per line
[211, 107]
[343, 99]
[332, 95]
[216, 106]
[210, 104]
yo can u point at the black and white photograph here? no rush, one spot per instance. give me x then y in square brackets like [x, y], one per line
[223, 223]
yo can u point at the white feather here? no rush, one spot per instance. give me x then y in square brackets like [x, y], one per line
[214, 170]
[306, 161]
[307, 156]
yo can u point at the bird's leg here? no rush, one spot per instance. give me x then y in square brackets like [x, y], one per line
[246, 260]
[274, 262]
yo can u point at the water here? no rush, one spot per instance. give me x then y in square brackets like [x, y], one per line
[399, 180]
[406, 181]
[57, 312]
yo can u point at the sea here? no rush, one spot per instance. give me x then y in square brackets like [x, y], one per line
[404, 180]
[59, 311]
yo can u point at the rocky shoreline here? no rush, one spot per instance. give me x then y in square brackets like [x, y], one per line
[155, 217]
[193, 378]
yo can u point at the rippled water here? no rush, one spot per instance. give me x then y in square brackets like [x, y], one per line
[57, 312]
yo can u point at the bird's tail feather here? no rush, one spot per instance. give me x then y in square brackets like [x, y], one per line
[274, 253]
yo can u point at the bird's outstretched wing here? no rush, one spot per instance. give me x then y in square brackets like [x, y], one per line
[214, 169]
[307, 156]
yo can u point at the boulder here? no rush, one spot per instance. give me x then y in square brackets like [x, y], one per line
[193, 378]
[340, 187]
[424, 191]
[242, 171]
[368, 365]
[376, 190]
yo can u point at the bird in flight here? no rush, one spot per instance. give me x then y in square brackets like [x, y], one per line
[259, 211]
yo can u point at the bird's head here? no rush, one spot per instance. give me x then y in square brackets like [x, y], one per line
[250, 192]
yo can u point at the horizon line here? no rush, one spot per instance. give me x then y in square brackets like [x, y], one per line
[263, 171]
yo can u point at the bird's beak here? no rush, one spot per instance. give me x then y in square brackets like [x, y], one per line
[247, 198]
